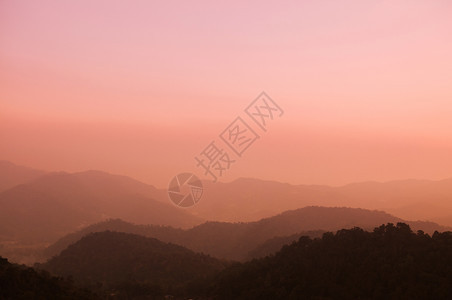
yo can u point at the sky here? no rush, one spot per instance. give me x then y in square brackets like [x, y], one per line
[141, 88]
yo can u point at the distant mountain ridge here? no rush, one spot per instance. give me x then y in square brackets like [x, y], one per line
[12, 175]
[55, 204]
[247, 199]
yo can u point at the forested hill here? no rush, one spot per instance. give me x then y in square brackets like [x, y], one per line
[116, 258]
[21, 282]
[392, 262]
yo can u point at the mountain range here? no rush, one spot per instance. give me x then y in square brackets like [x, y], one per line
[38, 208]
[243, 241]
[121, 237]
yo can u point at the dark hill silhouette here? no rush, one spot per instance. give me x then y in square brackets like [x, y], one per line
[391, 262]
[163, 233]
[235, 241]
[12, 175]
[117, 257]
[21, 282]
[58, 203]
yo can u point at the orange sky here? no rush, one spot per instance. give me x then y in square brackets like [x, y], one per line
[140, 88]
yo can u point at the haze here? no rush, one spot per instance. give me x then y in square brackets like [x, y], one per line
[140, 89]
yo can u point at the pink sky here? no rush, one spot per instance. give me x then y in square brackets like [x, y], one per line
[139, 88]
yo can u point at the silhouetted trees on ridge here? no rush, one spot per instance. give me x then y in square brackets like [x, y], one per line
[390, 262]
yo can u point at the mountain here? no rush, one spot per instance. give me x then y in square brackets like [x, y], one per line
[20, 282]
[117, 258]
[59, 203]
[391, 262]
[12, 175]
[245, 199]
[238, 241]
